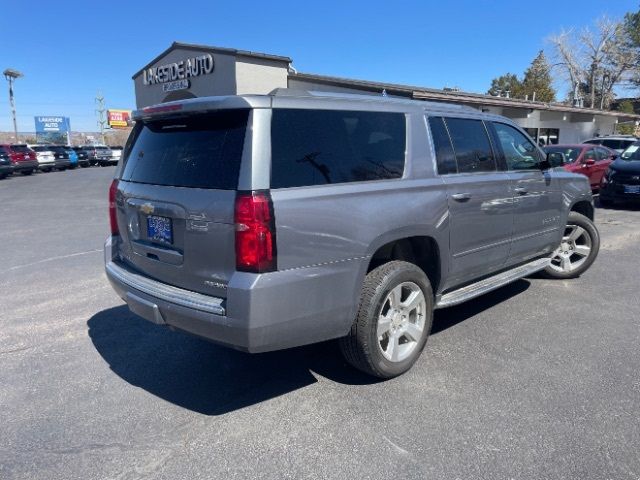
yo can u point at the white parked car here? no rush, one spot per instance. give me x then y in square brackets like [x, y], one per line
[116, 153]
[46, 157]
[619, 143]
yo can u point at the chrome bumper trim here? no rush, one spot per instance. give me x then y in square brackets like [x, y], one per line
[165, 292]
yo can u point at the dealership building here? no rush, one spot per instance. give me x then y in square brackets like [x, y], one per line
[186, 71]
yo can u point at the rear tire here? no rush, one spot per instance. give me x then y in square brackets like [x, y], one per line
[27, 172]
[393, 321]
[577, 251]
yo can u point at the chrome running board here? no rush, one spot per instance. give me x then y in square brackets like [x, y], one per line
[483, 286]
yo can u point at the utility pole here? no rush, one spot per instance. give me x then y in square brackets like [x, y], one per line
[11, 76]
[100, 111]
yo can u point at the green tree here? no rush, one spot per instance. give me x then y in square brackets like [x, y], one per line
[626, 106]
[537, 80]
[508, 82]
[631, 25]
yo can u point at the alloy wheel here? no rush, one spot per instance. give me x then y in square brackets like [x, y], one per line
[401, 321]
[573, 251]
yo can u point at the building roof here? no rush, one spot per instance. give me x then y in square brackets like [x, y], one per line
[209, 48]
[423, 93]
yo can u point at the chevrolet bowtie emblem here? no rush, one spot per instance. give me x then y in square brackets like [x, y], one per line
[146, 208]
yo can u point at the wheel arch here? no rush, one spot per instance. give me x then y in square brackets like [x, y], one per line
[421, 247]
[583, 207]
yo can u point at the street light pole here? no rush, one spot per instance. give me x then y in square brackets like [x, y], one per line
[11, 76]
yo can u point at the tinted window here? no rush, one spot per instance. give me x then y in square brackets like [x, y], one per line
[589, 155]
[602, 154]
[202, 151]
[471, 144]
[519, 152]
[593, 142]
[614, 144]
[21, 149]
[316, 147]
[445, 157]
[570, 153]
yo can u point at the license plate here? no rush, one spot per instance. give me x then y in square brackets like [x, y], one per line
[159, 229]
[632, 189]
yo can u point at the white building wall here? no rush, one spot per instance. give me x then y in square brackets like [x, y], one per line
[259, 76]
[574, 128]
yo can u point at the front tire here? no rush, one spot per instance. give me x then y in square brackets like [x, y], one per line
[577, 251]
[393, 321]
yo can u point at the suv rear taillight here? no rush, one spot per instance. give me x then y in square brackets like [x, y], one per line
[255, 232]
[113, 219]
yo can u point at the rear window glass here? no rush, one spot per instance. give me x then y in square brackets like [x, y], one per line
[318, 147]
[202, 151]
[21, 148]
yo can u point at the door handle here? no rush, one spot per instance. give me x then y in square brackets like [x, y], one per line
[520, 190]
[461, 197]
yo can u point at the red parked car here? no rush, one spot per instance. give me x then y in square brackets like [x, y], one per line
[22, 158]
[590, 160]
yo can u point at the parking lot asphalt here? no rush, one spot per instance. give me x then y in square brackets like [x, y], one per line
[539, 379]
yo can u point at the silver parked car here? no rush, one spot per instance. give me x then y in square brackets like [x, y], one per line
[268, 222]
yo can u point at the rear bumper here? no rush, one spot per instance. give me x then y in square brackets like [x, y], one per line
[261, 312]
[62, 163]
[26, 165]
[107, 161]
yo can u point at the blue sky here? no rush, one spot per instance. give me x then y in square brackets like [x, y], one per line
[70, 50]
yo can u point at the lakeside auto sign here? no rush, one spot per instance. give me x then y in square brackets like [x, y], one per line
[175, 76]
[52, 129]
[52, 124]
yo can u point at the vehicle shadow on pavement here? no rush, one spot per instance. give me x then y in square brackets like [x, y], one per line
[448, 317]
[204, 377]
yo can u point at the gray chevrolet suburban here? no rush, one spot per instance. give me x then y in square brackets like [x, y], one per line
[265, 222]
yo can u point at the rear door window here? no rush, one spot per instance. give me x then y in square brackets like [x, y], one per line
[318, 147]
[602, 154]
[445, 156]
[202, 151]
[471, 144]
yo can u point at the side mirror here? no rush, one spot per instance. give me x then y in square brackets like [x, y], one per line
[589, 162]
[554, 159]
